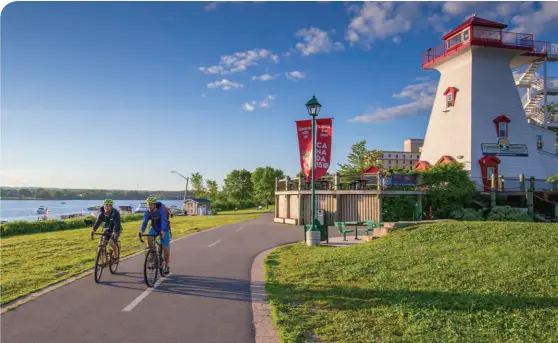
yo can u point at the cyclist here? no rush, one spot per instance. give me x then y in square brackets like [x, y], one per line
[110, 218]
[159, 226]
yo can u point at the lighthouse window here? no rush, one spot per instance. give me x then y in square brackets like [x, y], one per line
[454, 41]
[502, 129]
[465, 35]
[449, 100]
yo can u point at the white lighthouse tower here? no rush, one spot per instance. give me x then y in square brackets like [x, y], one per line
[478, 117]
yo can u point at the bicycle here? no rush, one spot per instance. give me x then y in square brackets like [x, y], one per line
[104, 255]
[154, 260]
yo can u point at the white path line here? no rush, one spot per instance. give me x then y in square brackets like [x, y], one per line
[214, 243]
[142, 296]
[240, 228]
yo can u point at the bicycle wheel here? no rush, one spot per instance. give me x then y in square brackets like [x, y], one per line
[114, 262]
[151, 268]
[99, 265]
[162, 259]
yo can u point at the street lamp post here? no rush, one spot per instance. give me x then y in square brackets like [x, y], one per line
[185, 178]
[313, 107]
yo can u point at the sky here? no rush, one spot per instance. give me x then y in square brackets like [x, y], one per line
[115, 95]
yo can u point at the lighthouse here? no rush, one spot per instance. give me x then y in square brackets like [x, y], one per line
[478, 116]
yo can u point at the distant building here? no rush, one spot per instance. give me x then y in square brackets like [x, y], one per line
[403, 159]
[193, 206]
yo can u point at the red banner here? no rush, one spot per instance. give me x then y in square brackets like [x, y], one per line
[304, 130]
[323, 146]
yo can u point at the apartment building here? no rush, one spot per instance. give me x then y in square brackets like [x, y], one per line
[403, 159]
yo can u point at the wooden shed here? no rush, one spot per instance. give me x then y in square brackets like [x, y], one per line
[196, 207]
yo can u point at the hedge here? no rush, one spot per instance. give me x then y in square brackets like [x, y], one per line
[25, 227]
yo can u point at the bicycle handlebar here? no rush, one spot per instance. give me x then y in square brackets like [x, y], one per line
[147, 235]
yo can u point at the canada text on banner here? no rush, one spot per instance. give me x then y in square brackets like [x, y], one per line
[323, 146]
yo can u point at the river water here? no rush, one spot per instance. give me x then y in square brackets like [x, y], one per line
[12, 210]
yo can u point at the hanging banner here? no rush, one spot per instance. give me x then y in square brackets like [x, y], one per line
[304, 131]
[323, 146]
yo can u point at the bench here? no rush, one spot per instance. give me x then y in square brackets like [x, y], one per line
[371, 226]
[342, 229]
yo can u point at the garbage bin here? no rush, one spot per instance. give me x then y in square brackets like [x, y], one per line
[324, 234]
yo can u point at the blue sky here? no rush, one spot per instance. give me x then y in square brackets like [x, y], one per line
[115, 95]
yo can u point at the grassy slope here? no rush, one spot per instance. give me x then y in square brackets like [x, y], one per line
[31, 262]
[448, 282]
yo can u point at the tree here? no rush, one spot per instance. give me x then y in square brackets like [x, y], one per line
[448, 188]
[212, 191]
[238, 188]
[197, 184]
[263, 184]
[25, 193]
[360, 159]
[42, 194]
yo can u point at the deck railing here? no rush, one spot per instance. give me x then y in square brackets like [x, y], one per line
[487, 37]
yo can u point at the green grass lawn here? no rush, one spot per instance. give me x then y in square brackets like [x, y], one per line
[31, 262]
[447, 282]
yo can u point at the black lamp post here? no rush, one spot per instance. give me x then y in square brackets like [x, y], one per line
[313, 107]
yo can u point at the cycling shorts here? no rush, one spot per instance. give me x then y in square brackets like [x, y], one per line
[164, 242]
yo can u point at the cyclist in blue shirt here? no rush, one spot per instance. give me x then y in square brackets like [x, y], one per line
[159, 226]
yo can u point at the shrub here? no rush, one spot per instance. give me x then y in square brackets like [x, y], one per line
[508, 214]
[25, 227]
[467, 215]
[448, 188]
[398, 208]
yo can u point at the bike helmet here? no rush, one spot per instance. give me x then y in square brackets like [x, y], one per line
[151, 200]
[108, 202]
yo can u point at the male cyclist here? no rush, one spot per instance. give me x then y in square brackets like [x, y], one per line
[110, 218]
[159, 226]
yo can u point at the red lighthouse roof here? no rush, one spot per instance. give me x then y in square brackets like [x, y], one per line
[476, 21]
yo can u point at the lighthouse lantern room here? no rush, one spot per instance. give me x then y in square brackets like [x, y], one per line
[478, 116]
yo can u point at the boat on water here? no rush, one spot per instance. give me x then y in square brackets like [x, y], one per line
[125, 209]
[142, 208]
[42, 210]
[94, 208]
[63, 203]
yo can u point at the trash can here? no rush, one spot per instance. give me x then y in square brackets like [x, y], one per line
[321, 224]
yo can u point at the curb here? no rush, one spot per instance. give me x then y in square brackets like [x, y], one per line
[264, 330]
[26, 298]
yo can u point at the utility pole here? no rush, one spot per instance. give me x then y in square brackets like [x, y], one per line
[185, 178]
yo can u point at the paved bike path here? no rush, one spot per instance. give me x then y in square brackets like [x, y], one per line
[206, 299]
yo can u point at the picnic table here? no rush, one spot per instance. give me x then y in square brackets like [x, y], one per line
[356, 225]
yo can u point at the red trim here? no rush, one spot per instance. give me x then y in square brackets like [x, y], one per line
[474, 20]
[372, 170]
[501, 119]
[486, 162]
[422, 165]
[446, 159]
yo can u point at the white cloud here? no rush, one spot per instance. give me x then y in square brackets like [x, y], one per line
[252, 105]
[225, 85]
[315, 41]
[294, 75]
[265, 77]
[240, 61]
[537, 21]
[211, 6]
[396, 39]
[380, 20]
[421, 96]
[265, 102]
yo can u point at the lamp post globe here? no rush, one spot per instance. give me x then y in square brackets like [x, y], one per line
[313, 106]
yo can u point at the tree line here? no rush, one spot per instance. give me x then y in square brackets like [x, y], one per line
[241, 188]
[84, 194]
